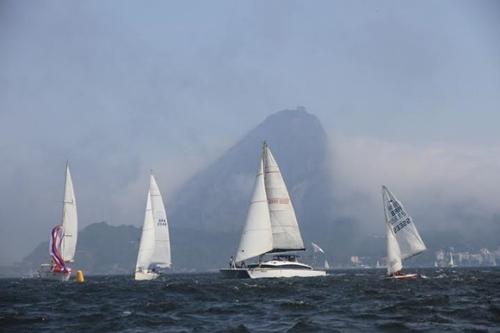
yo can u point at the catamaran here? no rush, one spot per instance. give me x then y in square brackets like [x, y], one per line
[271, 227]
[63, 238]
[154, 249]
[403, 239]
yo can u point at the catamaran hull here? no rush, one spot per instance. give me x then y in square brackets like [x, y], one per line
[235, 273]
[267, 273]
[145, 276]
[263, 273]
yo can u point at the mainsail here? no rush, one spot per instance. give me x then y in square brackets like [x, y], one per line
[286, 233]
[161, 255]
[69, 220]
[403, 239]
[257, 237]
[147, 245]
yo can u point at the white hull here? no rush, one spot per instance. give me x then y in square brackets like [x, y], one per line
[404, 277]
[273, 269]
[267, 273]
[263, 273]
[46, 273]
[145, 276]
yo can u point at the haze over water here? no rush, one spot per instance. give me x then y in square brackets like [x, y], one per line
[119, 88]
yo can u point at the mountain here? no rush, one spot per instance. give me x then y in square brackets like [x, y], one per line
[106, 249]
[207, 214]
[101, 249]
[217, 198]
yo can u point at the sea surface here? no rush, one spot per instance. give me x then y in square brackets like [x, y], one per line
[449, 300]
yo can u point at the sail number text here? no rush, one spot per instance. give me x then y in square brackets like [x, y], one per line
[402, 224]
[162, 222]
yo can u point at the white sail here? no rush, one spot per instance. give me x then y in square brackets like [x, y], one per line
[161, 255]
[69, 220]
[402, 226]
[286, 233]
[394, 263]
[452, 263]
[257, 236]
[147, 244]
[327, 265]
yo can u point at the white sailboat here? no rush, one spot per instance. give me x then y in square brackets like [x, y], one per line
[403, 239]
[451, 263]
[154, 249]
[271, 227]
[63, 237]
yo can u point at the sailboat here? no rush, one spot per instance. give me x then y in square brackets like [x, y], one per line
[271, 228]
[63, 238]
[451, 263]
[154, 249]
[403, 239]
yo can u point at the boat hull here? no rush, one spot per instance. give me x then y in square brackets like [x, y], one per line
[268, 273]
[263, 273]
[235, 273]
[145, 276]
[404, 277]
[45, 273]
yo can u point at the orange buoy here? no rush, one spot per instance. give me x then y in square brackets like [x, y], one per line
[79, 277]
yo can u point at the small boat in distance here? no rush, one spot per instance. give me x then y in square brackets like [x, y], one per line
[451, 264]
[271, 228]
[403, 239]
[154, 249]
[63, 238]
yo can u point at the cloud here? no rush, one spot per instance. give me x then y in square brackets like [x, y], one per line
[436, 182]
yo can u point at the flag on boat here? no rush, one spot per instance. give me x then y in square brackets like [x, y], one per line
[316, 248]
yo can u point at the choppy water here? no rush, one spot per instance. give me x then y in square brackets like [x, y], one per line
[448, 300]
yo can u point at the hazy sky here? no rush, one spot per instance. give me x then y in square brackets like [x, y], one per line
[120, 87]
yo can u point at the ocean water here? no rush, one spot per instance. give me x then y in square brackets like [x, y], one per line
[461, 300]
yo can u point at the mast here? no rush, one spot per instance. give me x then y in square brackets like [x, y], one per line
[69, 220]
[285, 228]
